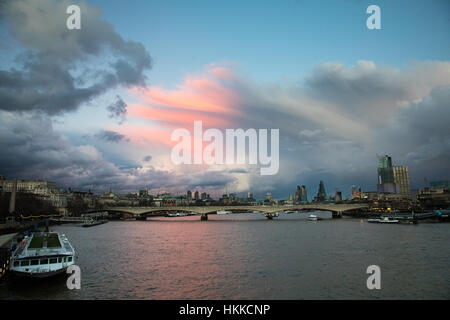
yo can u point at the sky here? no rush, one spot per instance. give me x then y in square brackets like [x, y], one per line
[95, 108]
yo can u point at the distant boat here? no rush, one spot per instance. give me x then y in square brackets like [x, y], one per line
[313, 217]
[177, 214]
[270, 216]
[223, 212]
[383, 220]
[91, 222]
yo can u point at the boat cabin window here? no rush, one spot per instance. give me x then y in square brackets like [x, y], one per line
[16, 263]
[25, 263]
[59, 260]
[44, 261]
[53, 260]
[69, 259]
[34, 262]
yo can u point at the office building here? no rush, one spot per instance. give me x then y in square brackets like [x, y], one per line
[321, 194]
[386, 183]
[303, 195]
[401, 180]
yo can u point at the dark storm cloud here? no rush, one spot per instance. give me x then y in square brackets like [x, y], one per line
[210, 179]
[36, 151]
[372, 93]
[420, 136]
[111, 136]
[335, 122]
[57, 60]
[56, 71]
[118, 110]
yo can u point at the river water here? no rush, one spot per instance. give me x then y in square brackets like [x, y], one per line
[246, 256]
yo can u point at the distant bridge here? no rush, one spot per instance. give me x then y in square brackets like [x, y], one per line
[142, 213]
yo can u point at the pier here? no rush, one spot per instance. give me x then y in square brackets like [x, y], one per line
[5, 254]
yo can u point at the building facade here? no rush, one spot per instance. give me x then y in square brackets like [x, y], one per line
[401, 180]
[43, 189]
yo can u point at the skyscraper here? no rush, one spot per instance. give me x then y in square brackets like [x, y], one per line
[297, 196]
[321, 194]
[303, 194]
[196, 195]
[401, 179]
[338, 196]
[300, 194]
[386, 181]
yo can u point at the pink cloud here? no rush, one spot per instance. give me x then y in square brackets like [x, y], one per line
[208, 96]
[143, 135]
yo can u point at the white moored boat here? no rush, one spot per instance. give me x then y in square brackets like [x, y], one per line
[223, 212]
[42, 254]
[313, 217]
[383, 220]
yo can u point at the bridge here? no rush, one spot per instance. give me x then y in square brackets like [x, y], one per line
[141, 213]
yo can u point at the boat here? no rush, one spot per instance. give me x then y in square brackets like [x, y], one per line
[383, 220]
[408, 221]
[42, 254]
[91, 222]
[223, 212]
[313, 217]
[177, 214]
[270, 215]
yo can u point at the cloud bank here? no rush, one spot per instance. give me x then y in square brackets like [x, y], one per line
[60, 69]
[333, 121]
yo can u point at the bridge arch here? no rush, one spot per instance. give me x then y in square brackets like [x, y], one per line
[143, 212]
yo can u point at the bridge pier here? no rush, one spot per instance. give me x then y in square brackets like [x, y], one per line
[141, 218]
[337, 214]
[204, 217]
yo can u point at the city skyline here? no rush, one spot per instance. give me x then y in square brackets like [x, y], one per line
[94, 108]
[391, 179]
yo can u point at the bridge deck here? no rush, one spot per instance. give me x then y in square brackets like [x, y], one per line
[335, 208]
